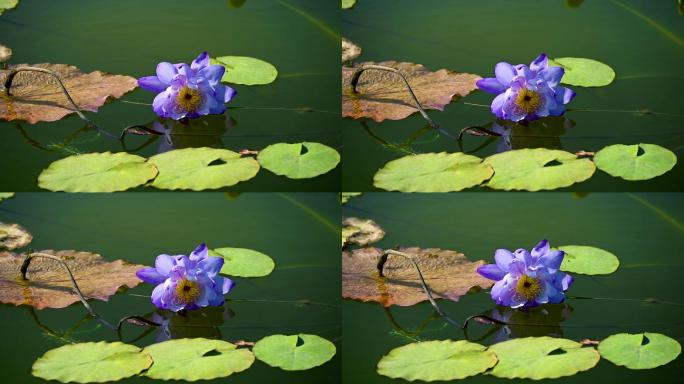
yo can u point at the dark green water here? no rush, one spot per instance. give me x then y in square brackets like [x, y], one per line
[643, 230]
[472, 36]
[297, 230]
[131, 37]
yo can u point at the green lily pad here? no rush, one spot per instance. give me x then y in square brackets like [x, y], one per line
[97, 172]
[283, 351]
[639, 351]
[588, 260]
[625, 161]
[584, 72]
[202, 168]
[244, 262]
[300, 160]
[246, 70]
[536, 169]
[6, 195]
[346, 4]
[432, 172]
[196, 359]
[91, 362]
[541, 358]
[436, 360]
[9, 4]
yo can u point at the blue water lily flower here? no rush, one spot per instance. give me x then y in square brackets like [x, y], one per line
[527, 93]
[188, 91]
[527, 279]
[187, 282]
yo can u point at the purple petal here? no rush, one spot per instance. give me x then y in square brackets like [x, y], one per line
[524, 71]
[152, 84]
[516, 267]
[211, 265]
[158, 104]
[150, 276]
[503, 258]
[564, 95]
[498, 104]
[164, 264]
[553, 75]
[157, 296]
[200, 62]
[185, 70]
[540, 249]
[504, 73]
[227, 285]
[524, 256]
[552, 260]
[200, 252]
[166, 72]
[566, 281]
[502, 292]
[213, 73]
[491, 272]
[540, 63]
[491, 85]
[229, 94]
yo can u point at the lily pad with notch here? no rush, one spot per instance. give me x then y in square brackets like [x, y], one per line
[542, 357]
[94, 362]
[196, 359]
[368, 274]
[300, 160]
[639, 351]
[13, 236]
[202, 168]
[436, 360]
[246, 70]
[635, 162]
[244, 262]
[588, 260]
[97, 172]
[537, 169]
[433, 172]
[584, 72]
[294, 352]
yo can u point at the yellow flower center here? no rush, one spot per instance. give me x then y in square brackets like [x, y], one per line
[528, 287]
[528, 100]
[189, 99]
[187, 291]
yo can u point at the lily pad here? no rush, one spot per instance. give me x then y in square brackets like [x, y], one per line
[346, 4]
[300, 160]
[639, 351]
[541, 358]
[588, 260]
[448, 274]
[196, 359]
[537, 169]
[48, 285]
[91, 362]
[202, 168]
[97, 172]
[13, 236]
[294, 352]
[244, 262]
[37, 96]
[438, 360]
[584, 72]
[432, 172]
[383, 95]
[361, 232]
[350, 50]
[6, 195]
[635, 162]
[246, 70]
[5, 52]
[9, 4]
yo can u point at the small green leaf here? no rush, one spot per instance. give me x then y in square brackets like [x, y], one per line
[283, 351]
[541, 358]
[537, 169]
[432, 172]
[588, 260]
[202, 168]
[6, 195]
[639, 351]
[624, 161]
[346, 4]
[299, 161]
[97, 172]
[9, 4]
[196, 359]
[436, 360]
[244, 262]
[246, 70]
[584, 72]
[346, 196]
[91, 362]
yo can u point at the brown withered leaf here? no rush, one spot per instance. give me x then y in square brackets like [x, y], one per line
[48, 285]
[350, 50]
[38, 97]
[361, 231]
[383, 95]
[448, 274]
[13, 236]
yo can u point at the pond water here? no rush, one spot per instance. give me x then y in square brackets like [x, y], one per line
[643, 230]
[300, 295]
[301, 38]
[642, 40]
